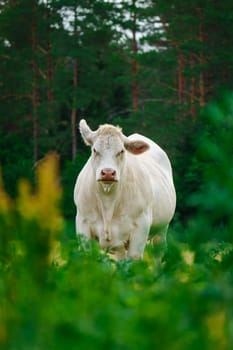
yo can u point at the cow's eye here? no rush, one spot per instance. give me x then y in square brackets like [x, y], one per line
[120, 153]
[95, 151]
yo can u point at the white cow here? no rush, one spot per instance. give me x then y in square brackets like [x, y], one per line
[125, 187]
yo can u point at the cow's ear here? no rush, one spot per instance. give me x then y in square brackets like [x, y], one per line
[136, 146]
[87, 134]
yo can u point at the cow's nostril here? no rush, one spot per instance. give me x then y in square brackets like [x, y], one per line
[108, 174]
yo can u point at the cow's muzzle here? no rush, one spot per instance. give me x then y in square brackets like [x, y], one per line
[108, 174]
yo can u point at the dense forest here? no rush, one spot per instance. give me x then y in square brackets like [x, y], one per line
[148, 66]
[159, 67]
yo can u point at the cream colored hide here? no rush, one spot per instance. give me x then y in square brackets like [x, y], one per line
[125, 187]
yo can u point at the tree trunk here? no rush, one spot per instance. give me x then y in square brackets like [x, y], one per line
[49, 58]
[75, 85]
[193, 87]
[201, 62]
[74, 110]
[181, 79]
[49, 73]
[135, 86]
[35, 93]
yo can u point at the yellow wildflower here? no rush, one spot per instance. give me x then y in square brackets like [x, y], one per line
[188, 256]
[42, 205]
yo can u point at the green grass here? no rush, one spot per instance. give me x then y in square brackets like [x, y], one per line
[89, 301]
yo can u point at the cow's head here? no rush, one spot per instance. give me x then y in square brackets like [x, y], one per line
[109, 146]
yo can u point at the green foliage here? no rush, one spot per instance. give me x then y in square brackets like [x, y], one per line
[58, 292]
[17, 167]
[92, 301]
[213, 199]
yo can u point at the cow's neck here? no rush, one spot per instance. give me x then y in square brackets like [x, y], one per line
[108, 198]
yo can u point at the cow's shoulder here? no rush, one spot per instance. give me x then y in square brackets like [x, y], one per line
[155, 153]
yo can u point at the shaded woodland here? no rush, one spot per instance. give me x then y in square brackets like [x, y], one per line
[149, 66]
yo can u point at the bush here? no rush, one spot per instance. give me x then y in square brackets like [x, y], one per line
[213, 201]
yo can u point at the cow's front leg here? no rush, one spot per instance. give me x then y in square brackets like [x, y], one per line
[139, 236]
[82, 227]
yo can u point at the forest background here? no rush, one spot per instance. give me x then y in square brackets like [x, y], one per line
[149, 66]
